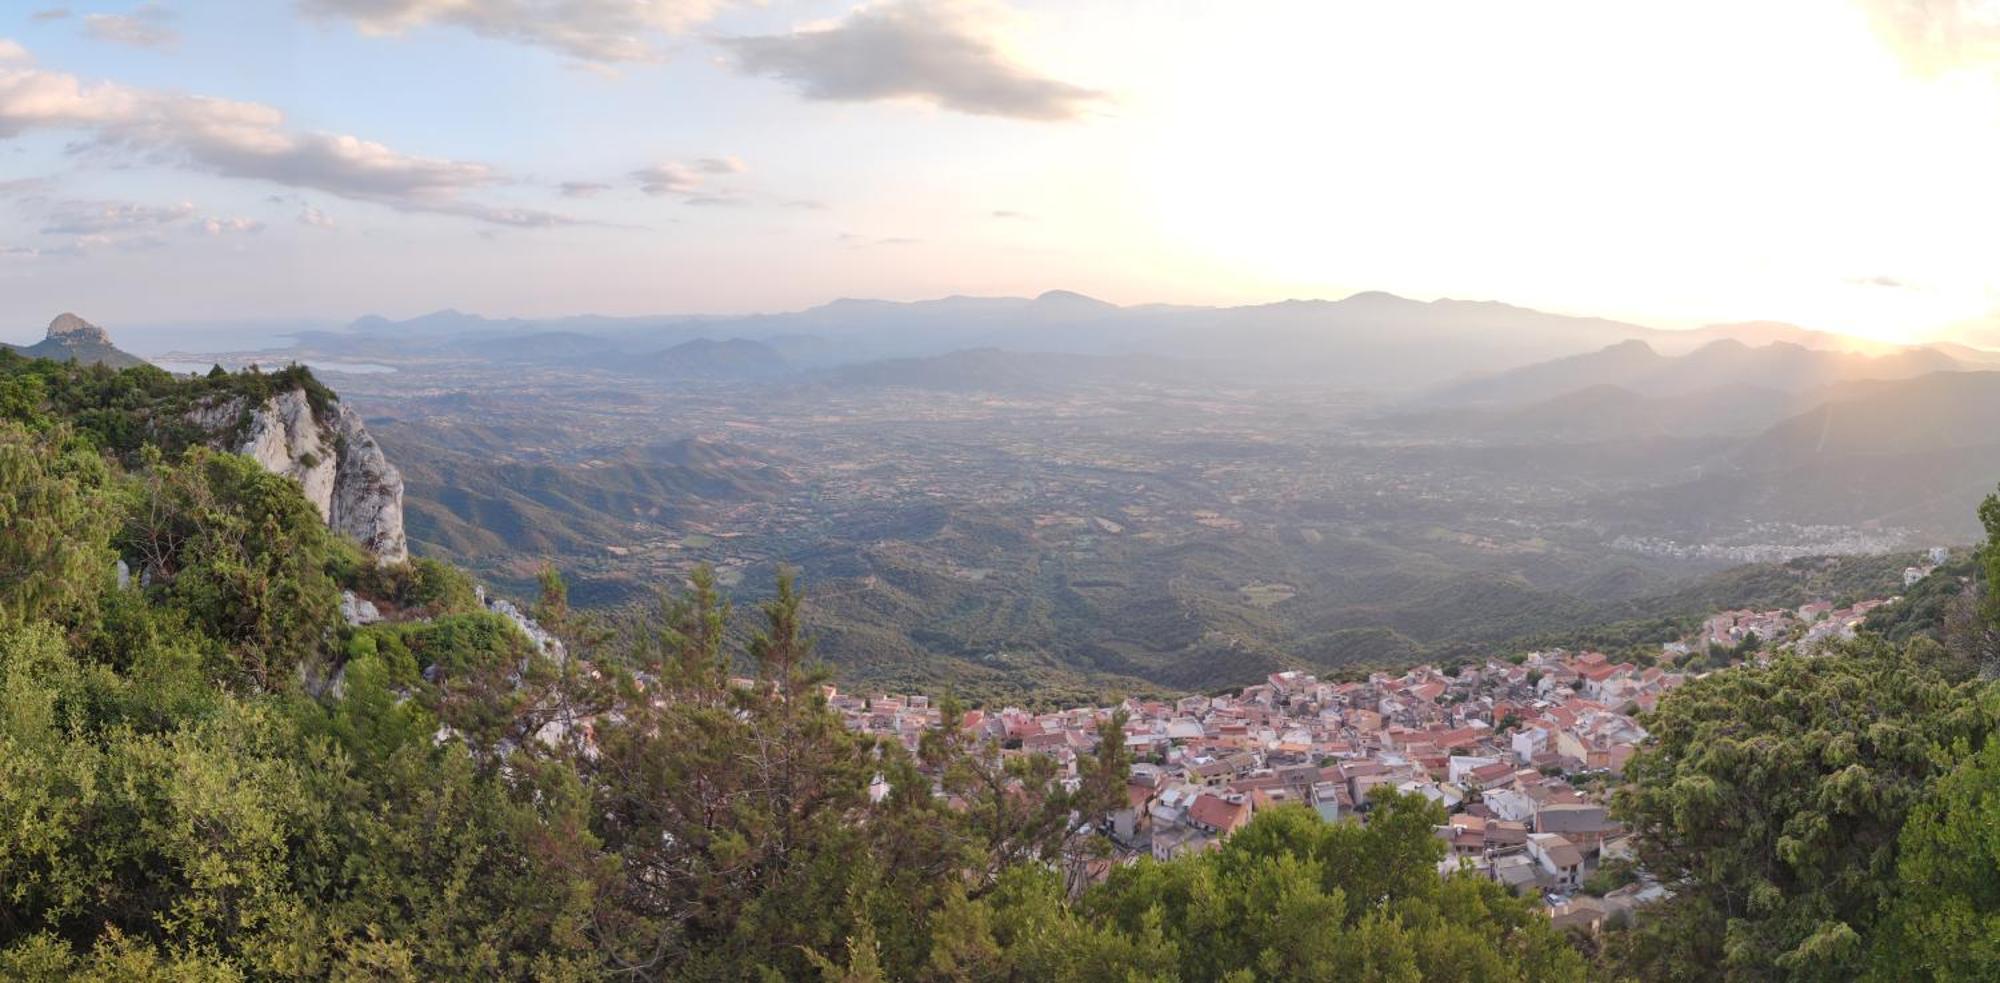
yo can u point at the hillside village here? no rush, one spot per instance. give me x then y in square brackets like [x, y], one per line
[1521, 753]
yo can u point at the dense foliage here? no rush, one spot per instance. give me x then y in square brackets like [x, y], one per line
[1771, 799]
[1291, 897]
[122, 411]
[1831, 817]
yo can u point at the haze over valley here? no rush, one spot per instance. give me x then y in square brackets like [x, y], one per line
[1002, 495]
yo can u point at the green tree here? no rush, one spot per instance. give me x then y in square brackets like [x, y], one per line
[1769, 802]
[1292, 897]
[243, 553]
[731, 810]
[551, 608]
[55, 524]
[1945, 922]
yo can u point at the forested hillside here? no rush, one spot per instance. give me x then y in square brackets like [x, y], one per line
[208, 772]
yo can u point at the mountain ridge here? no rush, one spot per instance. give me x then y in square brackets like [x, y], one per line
[72, 339]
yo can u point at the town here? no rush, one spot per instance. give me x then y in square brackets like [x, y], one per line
[1522, 753]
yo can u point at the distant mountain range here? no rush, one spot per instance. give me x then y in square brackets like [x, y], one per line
[1635, 366]
[1373, 340]
[1914, 452]
[73, 339]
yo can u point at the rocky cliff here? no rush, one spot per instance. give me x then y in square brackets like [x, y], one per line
[331, 455]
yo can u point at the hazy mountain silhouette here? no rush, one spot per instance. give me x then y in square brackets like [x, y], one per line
[73, 339]
[1636, 366]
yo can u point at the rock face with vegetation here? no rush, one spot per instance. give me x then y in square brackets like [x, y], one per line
[328, 451]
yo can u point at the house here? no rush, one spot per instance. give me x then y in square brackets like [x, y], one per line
[1220, 816]
[1561, 862]
[1331, 800]
[1135, 818]
[1168, 844]
[1214, 772]
[1462, 765]
[1516, 871]
[1584, 912]
[1505, 837]
[1530, 741]
[1572, 817]
[1466, 835]
[1512, 805]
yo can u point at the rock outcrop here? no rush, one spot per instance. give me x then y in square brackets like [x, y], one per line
[73, 339]
[70, 328]
[331, 456]
[546, 643]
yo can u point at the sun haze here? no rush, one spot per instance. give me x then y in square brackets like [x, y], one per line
[1823, 163]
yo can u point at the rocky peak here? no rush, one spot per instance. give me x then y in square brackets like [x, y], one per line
[69, 328]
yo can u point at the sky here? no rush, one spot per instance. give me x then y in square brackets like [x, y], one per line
[1825, 162]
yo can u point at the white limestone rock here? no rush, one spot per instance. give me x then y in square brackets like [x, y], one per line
[336, 463]
[287, 439]
[358, 611]
[367, 497]
[545, 643]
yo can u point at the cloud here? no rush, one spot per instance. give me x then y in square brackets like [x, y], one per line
[11, 52]
[669, 178]
[724, 199]
[42, 252]
[591, 30]
[855, 241]
[689, 180]
[230, 226]
[49, 14]
[149, 25]
[249, 141]
[1937, 36]
[98, 218]
[934, 51]
[583, 189]
[309, 215]
[1009, 213]
[720, 165]
[25, 187]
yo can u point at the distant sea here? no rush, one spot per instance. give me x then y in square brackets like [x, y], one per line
[275, 362]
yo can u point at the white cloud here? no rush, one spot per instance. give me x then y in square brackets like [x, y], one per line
[941, 52]
[675, 177]
[591, 30]
[309, 215]
[248, 140]
[668, 178]
[11, 52]
[149, 25]
[97, 218]
[230, 226]
[583, 189]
